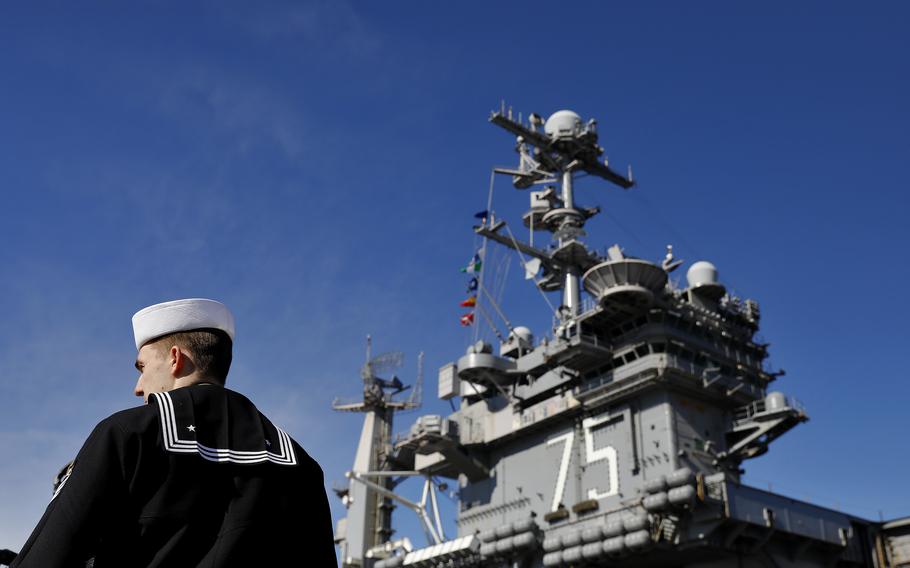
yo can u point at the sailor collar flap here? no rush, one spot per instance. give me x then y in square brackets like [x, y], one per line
[220, 430]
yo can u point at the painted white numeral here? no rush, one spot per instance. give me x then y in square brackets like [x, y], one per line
[606, 453]
[569, 437]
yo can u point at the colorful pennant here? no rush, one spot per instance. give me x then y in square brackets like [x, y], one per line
[473, 267]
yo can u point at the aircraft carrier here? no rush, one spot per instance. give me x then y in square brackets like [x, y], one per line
[615, 438]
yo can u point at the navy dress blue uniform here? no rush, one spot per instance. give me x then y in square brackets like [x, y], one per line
[198, 477]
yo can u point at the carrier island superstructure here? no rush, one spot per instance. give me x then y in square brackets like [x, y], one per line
[618, 438]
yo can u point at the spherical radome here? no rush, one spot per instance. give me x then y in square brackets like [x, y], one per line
[523, 333]
[701, 273]
[562, 123]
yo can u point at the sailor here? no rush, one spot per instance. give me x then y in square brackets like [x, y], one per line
[196, 477]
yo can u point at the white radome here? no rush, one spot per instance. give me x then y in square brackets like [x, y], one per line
[523, 333]
[701, 273]
[563, 124]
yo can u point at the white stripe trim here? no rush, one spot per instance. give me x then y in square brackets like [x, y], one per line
[62, 483]
[174, 444]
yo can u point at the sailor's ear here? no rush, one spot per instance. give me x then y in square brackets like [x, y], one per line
[176, 360]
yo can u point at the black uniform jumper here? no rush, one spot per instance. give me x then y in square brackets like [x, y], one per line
[196, 478]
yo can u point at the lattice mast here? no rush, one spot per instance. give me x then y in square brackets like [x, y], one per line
[368, 524]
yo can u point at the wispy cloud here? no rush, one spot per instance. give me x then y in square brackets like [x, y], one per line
[240, 111]
[334, 26]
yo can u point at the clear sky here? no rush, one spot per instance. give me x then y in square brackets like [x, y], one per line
[316, 166]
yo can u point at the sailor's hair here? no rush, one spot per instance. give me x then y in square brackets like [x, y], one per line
[209, 349]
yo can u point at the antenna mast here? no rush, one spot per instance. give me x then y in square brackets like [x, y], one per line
[368, 524]
[564, 147]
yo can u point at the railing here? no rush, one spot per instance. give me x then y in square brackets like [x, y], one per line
[588, 304]
[650, 361]
[747, 413]
[667, 360]
[796, 404]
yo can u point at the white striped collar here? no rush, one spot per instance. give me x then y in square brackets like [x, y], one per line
[173, 443]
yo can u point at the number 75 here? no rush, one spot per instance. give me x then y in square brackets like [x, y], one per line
[591, 456]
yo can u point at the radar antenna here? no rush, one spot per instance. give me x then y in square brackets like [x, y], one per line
[368, 524]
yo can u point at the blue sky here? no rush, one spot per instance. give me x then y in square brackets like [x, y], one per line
[316, 165]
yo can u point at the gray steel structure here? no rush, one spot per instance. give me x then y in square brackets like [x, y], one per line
[617, 440]
[369, 497]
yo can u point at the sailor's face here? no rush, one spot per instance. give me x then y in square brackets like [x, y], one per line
[154, 371]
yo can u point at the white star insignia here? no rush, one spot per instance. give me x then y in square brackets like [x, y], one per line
[267, 443]
[191, 428]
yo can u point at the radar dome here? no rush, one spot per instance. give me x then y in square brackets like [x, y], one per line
[702, 278]
[563, 124]
[523, 333]
[701, 273]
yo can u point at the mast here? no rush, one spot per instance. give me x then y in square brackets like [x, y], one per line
[564, 147]
[571, 297]
[368, 525]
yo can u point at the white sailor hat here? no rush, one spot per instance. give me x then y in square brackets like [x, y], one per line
[181, 315]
